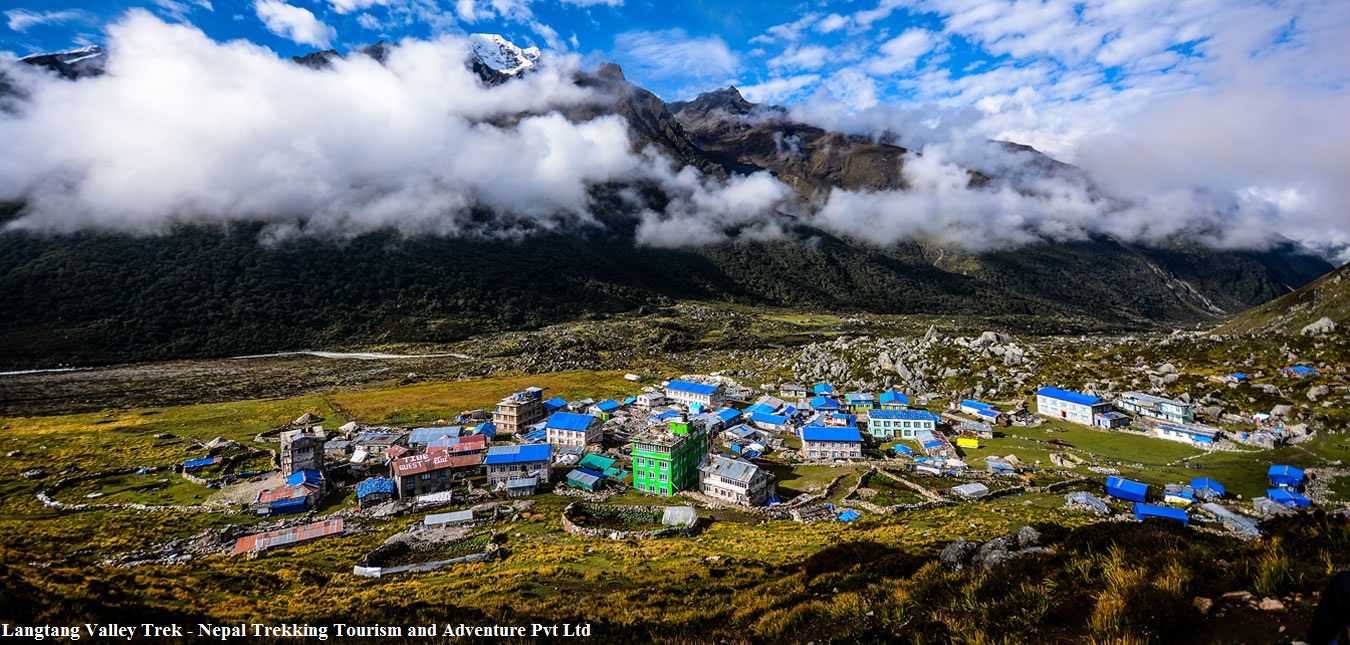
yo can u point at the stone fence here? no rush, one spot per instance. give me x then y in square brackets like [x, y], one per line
[572, 527]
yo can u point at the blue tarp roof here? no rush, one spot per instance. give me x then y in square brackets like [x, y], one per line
[891, 396]
[304, 477]
[555, 403]
[1238, 375]
[770, 419]
[904, 449]
[283, 506]
[608, 405]
[664, 416]
[1205, 482]
[932, 444]
[822, 388]
[789, 410]
[1287, 475]
[375, 486]
[727, 415]
[988, 412]
[487, 428]
[693, 388]
[516, 454]
[905, 415]
[569, 421]
[1126, 489]
[824, 403]
[974, 405]
[1302, 369]
[1066, 395]
[535, 436]
[819, 433]
[630, 400]
[1288, 497]
[198, 463]
[849, 516]
[1142, 511]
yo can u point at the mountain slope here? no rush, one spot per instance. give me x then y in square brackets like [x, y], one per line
[1326, 297]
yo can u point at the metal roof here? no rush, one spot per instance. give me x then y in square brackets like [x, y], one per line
[453, 517]
[769, 419]
[1077, 398]
[822, 388]
[596, 462]
[891, 396]
[585, 477]
[974, 489]
[727, 415]
[974, 405]
[905, 415]
[1288, 473]
[859, 398]
[439, 460]
[304, 477]
[824, 403]
[693, 388]
[1126, 489]
[1288, 497]
[1203, 483]
[555, 403]
[608, 405]
[516, 454]
[570, 421]
[735, 469]
[271, 539]
[287, 493]
[523, 482]
[819, 433]
[427, 435]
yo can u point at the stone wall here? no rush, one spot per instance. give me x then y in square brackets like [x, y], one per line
[575, 529]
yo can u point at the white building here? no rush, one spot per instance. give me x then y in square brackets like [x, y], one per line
[1157, 407]
[686, 393]
[736, 481]
[1055, 403]
[571, 429]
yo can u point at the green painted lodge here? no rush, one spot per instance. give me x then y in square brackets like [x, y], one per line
[666, 460]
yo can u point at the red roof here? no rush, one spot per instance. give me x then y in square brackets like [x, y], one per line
[396, 451]
[438, 460]
[270, 539]
[287, 492]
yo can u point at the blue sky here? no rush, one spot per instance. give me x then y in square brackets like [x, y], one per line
[1244, 98]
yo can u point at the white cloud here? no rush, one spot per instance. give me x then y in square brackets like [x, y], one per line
[902, 53]
[294, 23]
[22, 19]
[779, 90]
[673, 54]
[831, 23]
[810, 57]
[368, 21]
[593, 3]
[348, 6]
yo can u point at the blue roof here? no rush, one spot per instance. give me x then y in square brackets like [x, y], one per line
[727, 414]
[516, 454]
[555, 403]
[1238, 375]
[1142, 511]
[668, 414]
[693, 388]
[569, 421]
[761, 407]
[630, 400]
[487, 428]
[904, 415]
[1288, 497]
[1205, 482]
[375, 486]
[1303, 369]
[197, 463]
[296, 505]
[891, 396]
[427, 435]
[932, 444]
[789, 410]
[608, 405]
[904, 449]
[975, 405]
[1126, 489]
[593, 473]
[849, 516]
[858, 398]
[824, 403]
[304, 477]
[820, 433]
[1065, 395]
[1287, 475]
[822, 388]
[988, 412]
[770, 419]
[535, 436]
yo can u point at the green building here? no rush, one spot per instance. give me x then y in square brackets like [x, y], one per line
[666, 461]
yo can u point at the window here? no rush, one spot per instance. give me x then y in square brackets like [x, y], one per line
[426, 476]
[663, 477]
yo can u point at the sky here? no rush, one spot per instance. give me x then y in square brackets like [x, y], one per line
[1220, 118]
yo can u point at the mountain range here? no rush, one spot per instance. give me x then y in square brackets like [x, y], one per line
[201, 291]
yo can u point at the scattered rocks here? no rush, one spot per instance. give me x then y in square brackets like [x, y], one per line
[965, 554]
[33, 473]
[1324, 325]
[1318, 392]
[1240, 596]
[1270, 604]
[957, 555]
[14, 453]
[1203, 604]
[1282, 410]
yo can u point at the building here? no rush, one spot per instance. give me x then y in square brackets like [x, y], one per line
[736, 481]
[1300, 371]
[1144, 511]
[519, 410]
[302, 450]
[666, 459]
[860, 401]
[792, 391]
[376, 490]
[1285, 476]
[819, 442]
[687, 393]
[824, 403]
[586, 479]
[1193, 435]
[301, 493]
[971, 406]
[517, 462]
[1127, 490]
[1110, 420]
[1055, 403]
[606, 409]
[972, 490]
[571, 429]
[373, 446]
[822, 388]
[523, 487]
[431, 472]
[650, 400]
[900, 424]
[1157, 407]
[892, 400]
[422, 437]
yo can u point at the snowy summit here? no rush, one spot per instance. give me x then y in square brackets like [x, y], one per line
[503, 55]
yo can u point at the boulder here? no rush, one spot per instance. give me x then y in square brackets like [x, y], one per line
[957, 555]
[1013, 356]
[1167, 368]
[989, 338]
[993, 552]
[1028, 537]
[1271, 604]
[1281, 410]
[1323, 325]
[1318, 392]
[1203, 604]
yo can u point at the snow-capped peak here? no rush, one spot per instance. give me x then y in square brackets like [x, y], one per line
[70, 55]
[501, 54]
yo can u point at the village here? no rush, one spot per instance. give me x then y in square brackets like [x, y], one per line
[708, 442]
